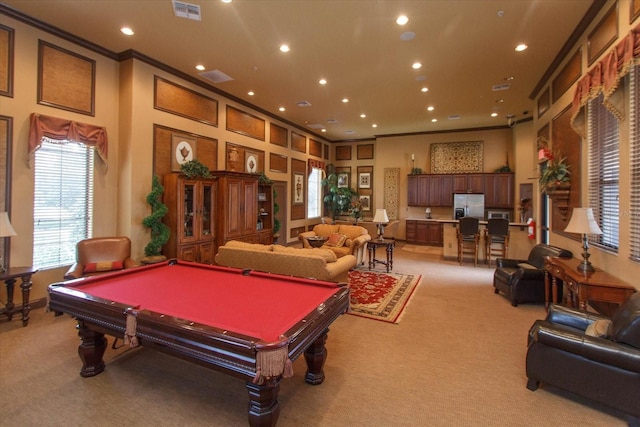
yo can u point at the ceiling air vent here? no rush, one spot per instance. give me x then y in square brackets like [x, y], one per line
[186, 10]
[454, 117]
[303, 104]
[216, 76]
[332, 121]
[502, 86]
[316, 126]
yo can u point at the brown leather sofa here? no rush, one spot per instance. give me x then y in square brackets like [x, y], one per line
[522, 280]
[588, 355]
[100, 255]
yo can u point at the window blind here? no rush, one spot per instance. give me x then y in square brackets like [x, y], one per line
[604, 167]
[63, 201]
[634, 162]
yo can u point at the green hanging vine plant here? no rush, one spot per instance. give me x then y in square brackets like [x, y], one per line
[159, 230]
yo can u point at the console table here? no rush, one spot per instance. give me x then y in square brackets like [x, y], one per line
[9, 277]
[604, 291]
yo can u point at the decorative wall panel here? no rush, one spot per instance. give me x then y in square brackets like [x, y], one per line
[457, 157]
[392, 192]
[175, 99]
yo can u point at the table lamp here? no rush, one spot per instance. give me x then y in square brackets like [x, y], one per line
[381, 219]
[428, 212]
[583, 222]
[6, 230]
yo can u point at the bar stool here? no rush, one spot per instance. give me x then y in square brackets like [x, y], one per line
[468, 238]
[496, 233]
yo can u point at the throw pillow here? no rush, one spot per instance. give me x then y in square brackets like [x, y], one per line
[599, 328]
[336, 240]
[95, 267]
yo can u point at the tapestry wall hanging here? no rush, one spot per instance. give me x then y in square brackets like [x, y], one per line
[457, 157]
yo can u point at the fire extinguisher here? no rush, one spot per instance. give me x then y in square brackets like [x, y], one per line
[531, 229]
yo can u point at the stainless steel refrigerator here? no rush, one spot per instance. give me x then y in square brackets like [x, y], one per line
[465, 204]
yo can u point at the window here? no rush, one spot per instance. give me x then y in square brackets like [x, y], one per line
[63, 201]
[604, 166]
[314, 196]
[634, 159]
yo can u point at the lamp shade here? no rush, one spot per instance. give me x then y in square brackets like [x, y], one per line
[381, 216]
[6, 229]
[583, 222]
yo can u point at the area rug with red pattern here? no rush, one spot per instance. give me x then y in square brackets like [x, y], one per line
[381, 296]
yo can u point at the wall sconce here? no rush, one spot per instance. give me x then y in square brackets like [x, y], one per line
[6, 230]
[381, 218]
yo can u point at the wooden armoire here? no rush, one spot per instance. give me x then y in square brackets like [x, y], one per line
[205, 213]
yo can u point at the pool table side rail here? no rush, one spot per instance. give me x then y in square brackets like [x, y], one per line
[208, 346]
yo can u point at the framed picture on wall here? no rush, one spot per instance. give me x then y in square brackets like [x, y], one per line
[298, 185]
[365, 202]
[343, 179]
[183, 149]
[364, 180]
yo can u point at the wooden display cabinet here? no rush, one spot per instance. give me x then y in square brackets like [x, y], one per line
[191, 218]
[265, 214]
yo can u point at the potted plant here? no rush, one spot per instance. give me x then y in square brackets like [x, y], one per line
[556, 175]
[276, 221]
[159, 230]
[337, 199]
[195, 169]
[355, 210]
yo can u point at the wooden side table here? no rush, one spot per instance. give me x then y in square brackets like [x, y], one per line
[603, 290]
[373, 244]
[9, 277]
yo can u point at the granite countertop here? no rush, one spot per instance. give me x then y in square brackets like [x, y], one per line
[455, 221]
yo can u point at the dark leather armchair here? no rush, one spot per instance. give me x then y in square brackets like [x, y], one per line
[602, 365]
[101, 255]
[522, 280]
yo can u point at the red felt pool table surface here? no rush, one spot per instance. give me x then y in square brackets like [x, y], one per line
[258, 305]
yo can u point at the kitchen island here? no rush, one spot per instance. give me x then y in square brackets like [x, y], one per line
[519, 243]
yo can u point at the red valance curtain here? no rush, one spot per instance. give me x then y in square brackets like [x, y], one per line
[318, 164]
[62, 129]
[605, 77]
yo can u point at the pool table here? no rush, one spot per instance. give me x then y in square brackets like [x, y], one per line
[244, 323]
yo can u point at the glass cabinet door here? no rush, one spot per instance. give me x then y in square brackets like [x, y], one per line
[189, 211]
[208, 200]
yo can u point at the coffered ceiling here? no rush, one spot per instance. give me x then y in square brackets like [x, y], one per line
[466, 48]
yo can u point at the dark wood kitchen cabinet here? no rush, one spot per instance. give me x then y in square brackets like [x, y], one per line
[436, 190]
[424, 232]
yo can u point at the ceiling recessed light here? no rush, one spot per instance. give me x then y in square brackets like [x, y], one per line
[434, 120]
[362, 116]
[374, 125]
[345, 100]
[127, 31]
[508, 78]
[251, 93]
[323, 130]
[322, 81]
[494, 114]
[402, 20]
[226, 1]
[521, 47]
[281, 109]
[284, 48]
[430, 108]
[416, 66]
[200, 67]
[424, 89]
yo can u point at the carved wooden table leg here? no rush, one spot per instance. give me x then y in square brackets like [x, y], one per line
[91, 350]
[263, 402]
[315, 355]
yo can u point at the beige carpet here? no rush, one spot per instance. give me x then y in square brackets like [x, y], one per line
[417, 249]
[456, 359]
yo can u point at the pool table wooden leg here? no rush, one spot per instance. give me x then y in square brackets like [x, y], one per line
[91, 350]
[263, 402]
[315, 355]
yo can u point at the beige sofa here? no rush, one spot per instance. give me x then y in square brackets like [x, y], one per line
[321, 264]
[355, 241]
[390, 229]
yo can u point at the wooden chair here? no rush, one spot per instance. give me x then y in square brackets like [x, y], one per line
[468, 238]
[496, 239]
